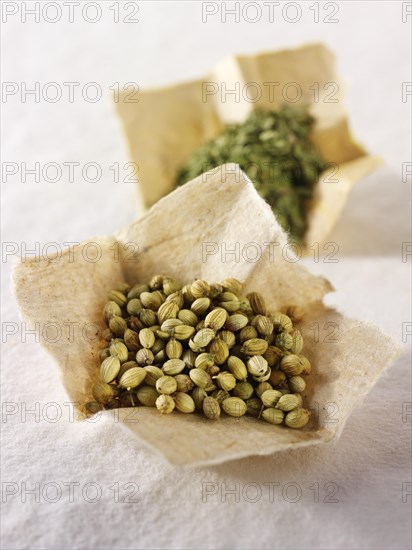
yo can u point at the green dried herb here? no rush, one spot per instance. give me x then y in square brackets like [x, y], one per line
[275, 150]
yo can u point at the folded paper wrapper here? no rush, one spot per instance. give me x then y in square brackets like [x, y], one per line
[190, 234]
[167, 124]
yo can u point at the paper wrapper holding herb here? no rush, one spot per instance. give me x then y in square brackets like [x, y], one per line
[168, 124]
[183, 236]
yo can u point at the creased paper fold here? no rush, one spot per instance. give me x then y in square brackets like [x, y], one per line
[211, 230]
[167, 124]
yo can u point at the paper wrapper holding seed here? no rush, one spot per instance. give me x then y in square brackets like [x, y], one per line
[167, 124]
[186, 235]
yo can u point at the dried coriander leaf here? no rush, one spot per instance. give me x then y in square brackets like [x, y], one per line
[276, 152]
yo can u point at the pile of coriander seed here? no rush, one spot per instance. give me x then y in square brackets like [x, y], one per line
[201, 347]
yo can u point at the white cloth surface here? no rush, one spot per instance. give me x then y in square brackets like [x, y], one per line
[370, 463]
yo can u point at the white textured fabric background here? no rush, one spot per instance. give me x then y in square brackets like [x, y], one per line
[140, 501]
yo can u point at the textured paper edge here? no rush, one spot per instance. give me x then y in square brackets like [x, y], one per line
[248, 205]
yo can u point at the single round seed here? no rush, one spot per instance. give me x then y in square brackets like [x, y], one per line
[183, 332]
[244, 390]
[151, 300]
[232, 285]
[166, 385]
[148, 317]
[170, 286]
[216, 318]
[103, 392]
[247, 333]
[119, 350]
[132, 378]
[226, 381]
[211, 408]
[288, 402]
[263, 325]
[273, 416]
[134, 306]
[117, 325]
[184, 383]
[277, 378]
[200, 288]
[297, 418]
[168, 310]
[203, 338]
[234, 406]
[296, 384]
[131, 339]
[183, 402]
[144, 357]
[257, 366]
[237, 367]
[174, 349]
[200, 306]
[254, 406]
[165, 404]
[156, 282]
[111, 309]
[257, 303]
[118, 297]
[273, 355]
[109, 369]
[236, 322]
[173, 366]
[200, 378]
[147, 338]
[147, 396]
[254, 346]
[291, 365]
[220, 351]
[281, 322]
